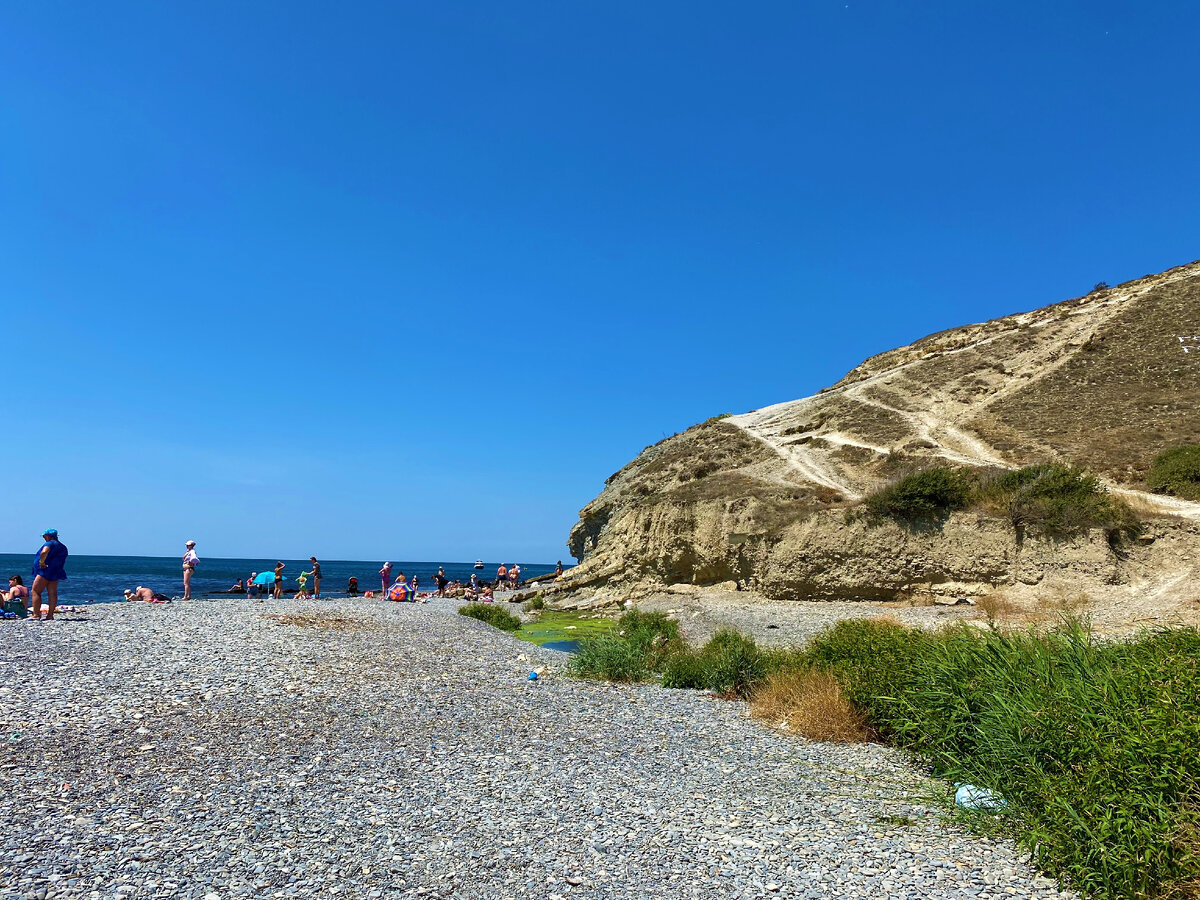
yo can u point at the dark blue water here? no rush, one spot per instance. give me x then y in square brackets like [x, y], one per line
[99, 579]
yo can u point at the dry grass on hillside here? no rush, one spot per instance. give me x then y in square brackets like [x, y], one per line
[810, 704]
[995, 607]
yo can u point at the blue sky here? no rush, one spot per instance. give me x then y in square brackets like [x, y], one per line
[410, 280]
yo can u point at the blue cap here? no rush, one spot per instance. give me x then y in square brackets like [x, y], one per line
[52, 531]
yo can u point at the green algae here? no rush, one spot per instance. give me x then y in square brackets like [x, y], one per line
[565, 625]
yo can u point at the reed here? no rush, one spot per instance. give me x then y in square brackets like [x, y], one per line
[1095, 746]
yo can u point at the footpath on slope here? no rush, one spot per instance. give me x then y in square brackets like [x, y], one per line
[366, 749]
[937, 415]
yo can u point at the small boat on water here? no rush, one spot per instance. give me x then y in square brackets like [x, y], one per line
[479, 563]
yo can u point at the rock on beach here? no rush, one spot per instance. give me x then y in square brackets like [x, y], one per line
[376, 750]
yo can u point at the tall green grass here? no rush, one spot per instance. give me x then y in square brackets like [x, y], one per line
[730, 664]
[641, 646]
[1096, 746]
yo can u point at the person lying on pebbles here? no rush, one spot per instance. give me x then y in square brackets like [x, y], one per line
[144, 593]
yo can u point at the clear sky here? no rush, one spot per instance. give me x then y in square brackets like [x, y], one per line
[411, 279]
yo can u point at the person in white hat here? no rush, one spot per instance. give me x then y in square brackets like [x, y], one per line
[190, 561]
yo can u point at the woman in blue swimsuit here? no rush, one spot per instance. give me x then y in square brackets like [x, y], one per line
[48, 571]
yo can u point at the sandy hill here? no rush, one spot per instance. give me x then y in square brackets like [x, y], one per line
[760, 500]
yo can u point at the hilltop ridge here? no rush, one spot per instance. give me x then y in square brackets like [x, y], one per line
[758, 501]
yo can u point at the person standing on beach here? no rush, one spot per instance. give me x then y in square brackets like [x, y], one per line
[501, 575]
[385, 577]
[190, 561]
[316, 574]
[48, 572]
[441, 581]
[277, 590]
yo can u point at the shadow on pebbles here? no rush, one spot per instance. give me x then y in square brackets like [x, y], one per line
[365, 749]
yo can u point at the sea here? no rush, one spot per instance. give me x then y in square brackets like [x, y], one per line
[103, 579]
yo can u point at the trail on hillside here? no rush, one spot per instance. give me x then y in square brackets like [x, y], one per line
[940, 417]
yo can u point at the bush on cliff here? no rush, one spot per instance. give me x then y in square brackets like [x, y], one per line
[1050, 498]
[1176, 472]
[923, 496]
[1054, 499]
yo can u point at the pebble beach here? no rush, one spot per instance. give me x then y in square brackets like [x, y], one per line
[353, 748]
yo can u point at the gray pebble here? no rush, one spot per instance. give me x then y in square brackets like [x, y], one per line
[204, 750]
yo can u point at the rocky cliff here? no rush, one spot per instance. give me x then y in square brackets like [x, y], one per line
[765, 500]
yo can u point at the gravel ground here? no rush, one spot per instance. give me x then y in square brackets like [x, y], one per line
[789, 623]
[385, 750]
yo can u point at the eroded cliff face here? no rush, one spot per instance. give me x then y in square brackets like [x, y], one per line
[825, 555]
[766, 500]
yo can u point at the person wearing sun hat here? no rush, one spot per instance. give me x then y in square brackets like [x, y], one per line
[47, 573]
[190, 559]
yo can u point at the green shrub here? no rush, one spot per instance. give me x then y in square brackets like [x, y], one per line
[730, 664]
[494, 615]
[922, 496]
[872, 659]
[1176, 472]
[1050, 498]
[1054, 499]
[1095, 746]
[653, 634]
[641, 646]
[534, 603]
[612, 658]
